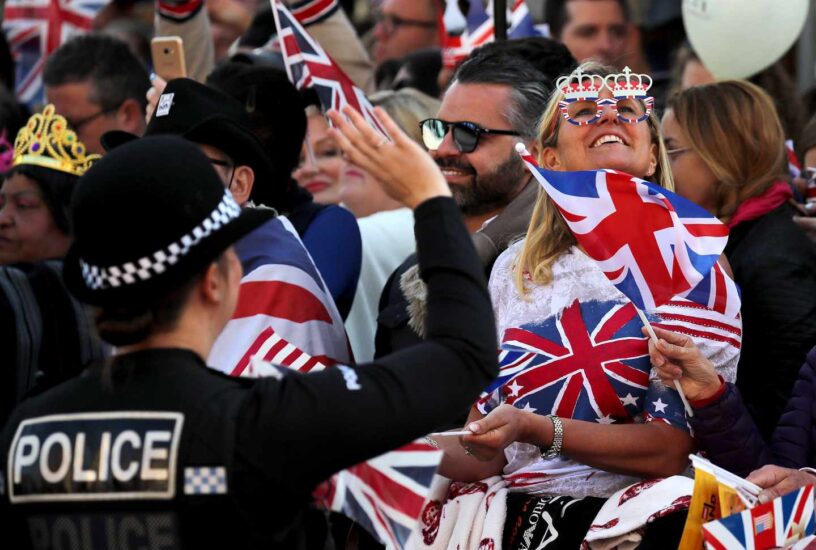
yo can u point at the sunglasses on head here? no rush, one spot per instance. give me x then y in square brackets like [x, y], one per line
[465, 134]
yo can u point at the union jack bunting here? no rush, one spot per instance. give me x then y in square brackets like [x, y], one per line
[385, 494]
[650, 243]
[589, 362]
[285, 313]
[481, 29]
[35, 28]
[309, 66]
[776, 524]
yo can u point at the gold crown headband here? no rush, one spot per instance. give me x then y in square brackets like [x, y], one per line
[48, 142]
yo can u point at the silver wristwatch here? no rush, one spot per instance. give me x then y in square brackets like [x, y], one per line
[558, 439]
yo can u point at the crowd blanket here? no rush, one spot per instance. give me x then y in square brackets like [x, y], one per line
[486, 516]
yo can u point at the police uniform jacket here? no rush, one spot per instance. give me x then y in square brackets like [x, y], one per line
[155, 450]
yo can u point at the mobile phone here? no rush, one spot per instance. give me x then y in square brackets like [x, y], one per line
[168, 57]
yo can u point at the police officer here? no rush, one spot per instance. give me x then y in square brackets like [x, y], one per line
[155, 450]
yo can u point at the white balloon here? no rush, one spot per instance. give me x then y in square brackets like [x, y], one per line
[739, 38]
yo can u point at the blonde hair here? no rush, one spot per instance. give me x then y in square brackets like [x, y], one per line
[548, 236]
[734, 127]
[408, 107]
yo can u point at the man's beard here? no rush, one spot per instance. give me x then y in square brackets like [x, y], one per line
[488, 191]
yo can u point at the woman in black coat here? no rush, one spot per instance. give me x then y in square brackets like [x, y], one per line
[726, 147]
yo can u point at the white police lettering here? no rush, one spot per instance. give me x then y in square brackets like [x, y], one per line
[350, 376]
[95, 456]
[157, 531]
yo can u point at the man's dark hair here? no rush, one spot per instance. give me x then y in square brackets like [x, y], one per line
[555, 15]
[552, 58]
[528, 88]
[115, 74]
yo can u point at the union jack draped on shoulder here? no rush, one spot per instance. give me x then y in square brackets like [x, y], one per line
[285, 314]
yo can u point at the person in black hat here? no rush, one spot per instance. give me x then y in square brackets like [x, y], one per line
[275, 113]
[219, 125]
[153, 448]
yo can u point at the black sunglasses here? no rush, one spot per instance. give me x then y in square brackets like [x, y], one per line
[465, 134]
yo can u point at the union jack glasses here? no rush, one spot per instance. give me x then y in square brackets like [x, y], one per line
[629, 110]
[582, 103]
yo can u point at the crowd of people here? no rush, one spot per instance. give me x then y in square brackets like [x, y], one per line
[216, 291]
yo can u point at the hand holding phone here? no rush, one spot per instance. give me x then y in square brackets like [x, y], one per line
[168, 57]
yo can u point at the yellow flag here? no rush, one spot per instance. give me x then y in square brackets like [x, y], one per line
[705, 506]
[730, 502]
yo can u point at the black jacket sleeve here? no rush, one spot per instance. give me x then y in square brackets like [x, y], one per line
[730, 437]
[302, 428]
[728, 434]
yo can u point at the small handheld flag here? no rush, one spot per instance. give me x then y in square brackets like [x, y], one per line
[650, 243]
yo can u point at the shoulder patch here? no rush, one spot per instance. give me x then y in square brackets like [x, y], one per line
[95, 456]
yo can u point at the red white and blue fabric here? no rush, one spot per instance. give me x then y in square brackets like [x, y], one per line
[480, 29]
[285, 314]
[794, 168]
[589, 362]
[35, 28]
[309, 12]
[309, 66]
[385, 494]
[651, 244]
[775, 524]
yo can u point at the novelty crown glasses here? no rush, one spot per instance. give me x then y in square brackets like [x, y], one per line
[582, 103]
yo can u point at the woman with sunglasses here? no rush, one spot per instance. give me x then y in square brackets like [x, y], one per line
[741, 177]
[589, 426]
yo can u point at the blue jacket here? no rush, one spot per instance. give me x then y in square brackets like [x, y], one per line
[725, 431]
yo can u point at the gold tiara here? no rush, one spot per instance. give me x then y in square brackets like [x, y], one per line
[48, 142]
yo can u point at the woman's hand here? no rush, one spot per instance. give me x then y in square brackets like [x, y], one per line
[157, 87]
[675, 357]
[777, 481]
[405, 171]
[503, 426]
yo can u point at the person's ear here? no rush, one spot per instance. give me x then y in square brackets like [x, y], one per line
[549, 159]
[130, 117]
[653, 153]
[213, 285]
[243, 179]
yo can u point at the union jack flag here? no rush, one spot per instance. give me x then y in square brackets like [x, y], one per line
[35, 28]
[481, 29]
[286, 316]
[650, 243]
[285, 313]
[385, 494]
[775, 524]
[309, 66]
[589, 362]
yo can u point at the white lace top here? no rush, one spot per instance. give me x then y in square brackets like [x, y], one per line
[594, 365]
